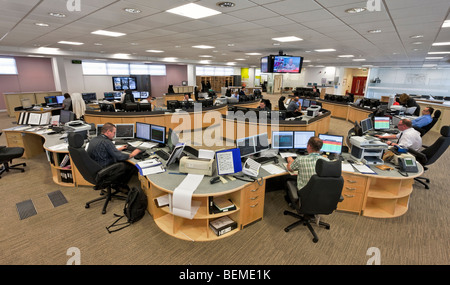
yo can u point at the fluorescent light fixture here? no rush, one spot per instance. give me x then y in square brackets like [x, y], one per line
[346, 55]
[287, 39]
[439, 52]
[253, 53]
[203, 46]
[239, 59]
[48, 50]
[231, 63]
[359, 59]
[434, 57]
[355, 10]
[325, 50]
[416, 36]
[132, 10]
[58, 15]
[42, 24]
[121, 55]
[306, 60]
[108, 33]
[170, 59]
[417, 43]
[70, 43]
[205, 55]
[374, 31]
[204, 61]
[193, 11]
[154, 51]
[446, 24]
[441, 44]
[429, 65]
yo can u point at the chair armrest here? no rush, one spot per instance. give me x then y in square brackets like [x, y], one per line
[110, 173]
[418, 155]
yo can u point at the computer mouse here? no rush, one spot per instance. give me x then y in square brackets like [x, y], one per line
[214, 180]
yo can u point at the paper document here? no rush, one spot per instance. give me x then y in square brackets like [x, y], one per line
[288, 154]
[206, 153]
[61, 146]
[347, 167]
[362, 168]
[182, 204]
[272, 169]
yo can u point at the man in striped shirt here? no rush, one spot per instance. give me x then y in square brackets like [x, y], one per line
[306, 164]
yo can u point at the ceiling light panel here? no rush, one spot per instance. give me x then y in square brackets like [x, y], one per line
[108, 33]
[287, 39]
[193, 11]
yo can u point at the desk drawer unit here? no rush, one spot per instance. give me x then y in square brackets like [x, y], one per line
[353, 193]
[252, 204]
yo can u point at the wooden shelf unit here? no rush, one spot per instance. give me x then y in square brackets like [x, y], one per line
[217, 82]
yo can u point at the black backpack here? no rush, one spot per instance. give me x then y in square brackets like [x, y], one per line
[134, 209]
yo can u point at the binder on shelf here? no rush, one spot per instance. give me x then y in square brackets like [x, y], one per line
[64, 161]
[222, 225]
[221, 204]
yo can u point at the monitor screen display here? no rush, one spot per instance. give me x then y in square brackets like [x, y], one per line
[99, 129]
[158, 134]
[331, 143]
[50, 100]
[246, 146]
[89, 97]
[125, 131]
[66, 116]
[124, 83]
[136, 94]
[283, 140]
[60, 99]
[287, 64]
[108, 95]
[366, 125]
[381, 123]
[172, 139]
[265, 64]
[262, 142]
[306, 103]
[143, 131]
[301, 138]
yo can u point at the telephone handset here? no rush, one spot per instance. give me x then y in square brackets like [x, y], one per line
[407, 164]
[251, 168]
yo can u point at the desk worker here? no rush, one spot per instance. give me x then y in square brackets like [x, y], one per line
[78, 105]
[242, 92]
[408, 136]
[306, 164]
[295, 106]
[425, 119]
[262, 106]
[187, 97]
[67, 102]
[409, 102]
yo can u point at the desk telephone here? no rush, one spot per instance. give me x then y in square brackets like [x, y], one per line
[251, 168]
[407, 164]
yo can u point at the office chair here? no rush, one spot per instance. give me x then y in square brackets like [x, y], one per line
[130, 107]
[430, 154]
[108, 177]
[319, 197]
[7, 154]
[144, 107]
[425, 129]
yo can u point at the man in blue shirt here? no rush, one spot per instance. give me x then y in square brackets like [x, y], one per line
[425, 119]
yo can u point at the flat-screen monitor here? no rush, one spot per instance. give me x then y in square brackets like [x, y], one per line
[108, 96]
[265, 64]
[125, 131]
[144, 94]
[50, 100]
[66, 116]
[331, 143]
[137, 94]
[60, 99]
[99, 129]
[252, 145]
[89, 97]
[366, 125]
[173, 104]
[381, 123]
[283, 140]
[172, 139]
[287, 64]
[158, 134]
[262, 142]
[124, 83]
[301, 139]
[143, 131]
[117, 95]
[306, 103]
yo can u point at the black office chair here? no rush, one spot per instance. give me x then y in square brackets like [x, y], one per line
[109, 177]
[430, 154]
[319, 197]
[7, 154]
[144, 107]
[425, 129]
[130, 107]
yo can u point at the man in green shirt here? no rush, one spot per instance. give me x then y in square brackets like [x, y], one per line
[306, 164]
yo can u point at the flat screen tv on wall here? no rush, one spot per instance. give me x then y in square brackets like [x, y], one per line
[124, 83]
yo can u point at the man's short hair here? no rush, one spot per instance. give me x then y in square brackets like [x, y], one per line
[406, 122]
[108, 127]
[431, 110]
[316, 143]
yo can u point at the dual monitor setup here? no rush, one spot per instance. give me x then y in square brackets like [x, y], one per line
[111, 96]
[377, 124]
[173, 105]
[143, 131]
[288, 141]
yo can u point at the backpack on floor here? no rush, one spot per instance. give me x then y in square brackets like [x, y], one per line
[134, 209]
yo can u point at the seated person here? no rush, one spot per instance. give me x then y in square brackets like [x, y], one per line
[425, 119]
[187, 97]
[409, 102]
[67, 102]
[295, 106]
[408, 136]
[127, 97]
[242, 92]
[306, 164]
[104, 152]
[262, 106]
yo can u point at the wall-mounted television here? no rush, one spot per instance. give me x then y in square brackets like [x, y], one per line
[124, 83]
[265, 64]
[287, 64]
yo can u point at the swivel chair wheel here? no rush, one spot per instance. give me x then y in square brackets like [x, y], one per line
[86, 206]
[315, 240]
[103, 212]
[286, 230]
[327, 227]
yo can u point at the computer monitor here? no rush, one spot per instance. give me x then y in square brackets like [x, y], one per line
[108, 96]
[306, 103]
[89, 97]
[300, 101]
[366, 125]
[172, 139]
[262, 142]
[125, 131]
[331, 143]
[60, 99]
[98, 129]
[283, 139]
[158, 134]
[117, 95]
[143, 131]
[172, 105]
[50, 100]
[381, 123]
[301, 139]
[246, 146]
[144, 94]
[136, 94]
[66, 116]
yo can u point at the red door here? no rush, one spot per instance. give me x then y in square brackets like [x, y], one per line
[359, 85]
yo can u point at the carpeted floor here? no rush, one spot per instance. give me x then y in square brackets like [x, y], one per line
[419, 237]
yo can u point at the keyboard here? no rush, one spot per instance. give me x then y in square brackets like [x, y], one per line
[263, 160]
[163, 154]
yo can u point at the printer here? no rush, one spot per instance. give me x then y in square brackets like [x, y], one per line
[197, 166]
[368, 150]
[313, 111]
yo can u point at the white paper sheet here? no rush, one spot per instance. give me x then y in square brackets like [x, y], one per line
[206, 153]
[182, 204]
[347, 167]
[272, 169]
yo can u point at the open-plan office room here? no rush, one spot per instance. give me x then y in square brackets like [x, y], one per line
[370, 49]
